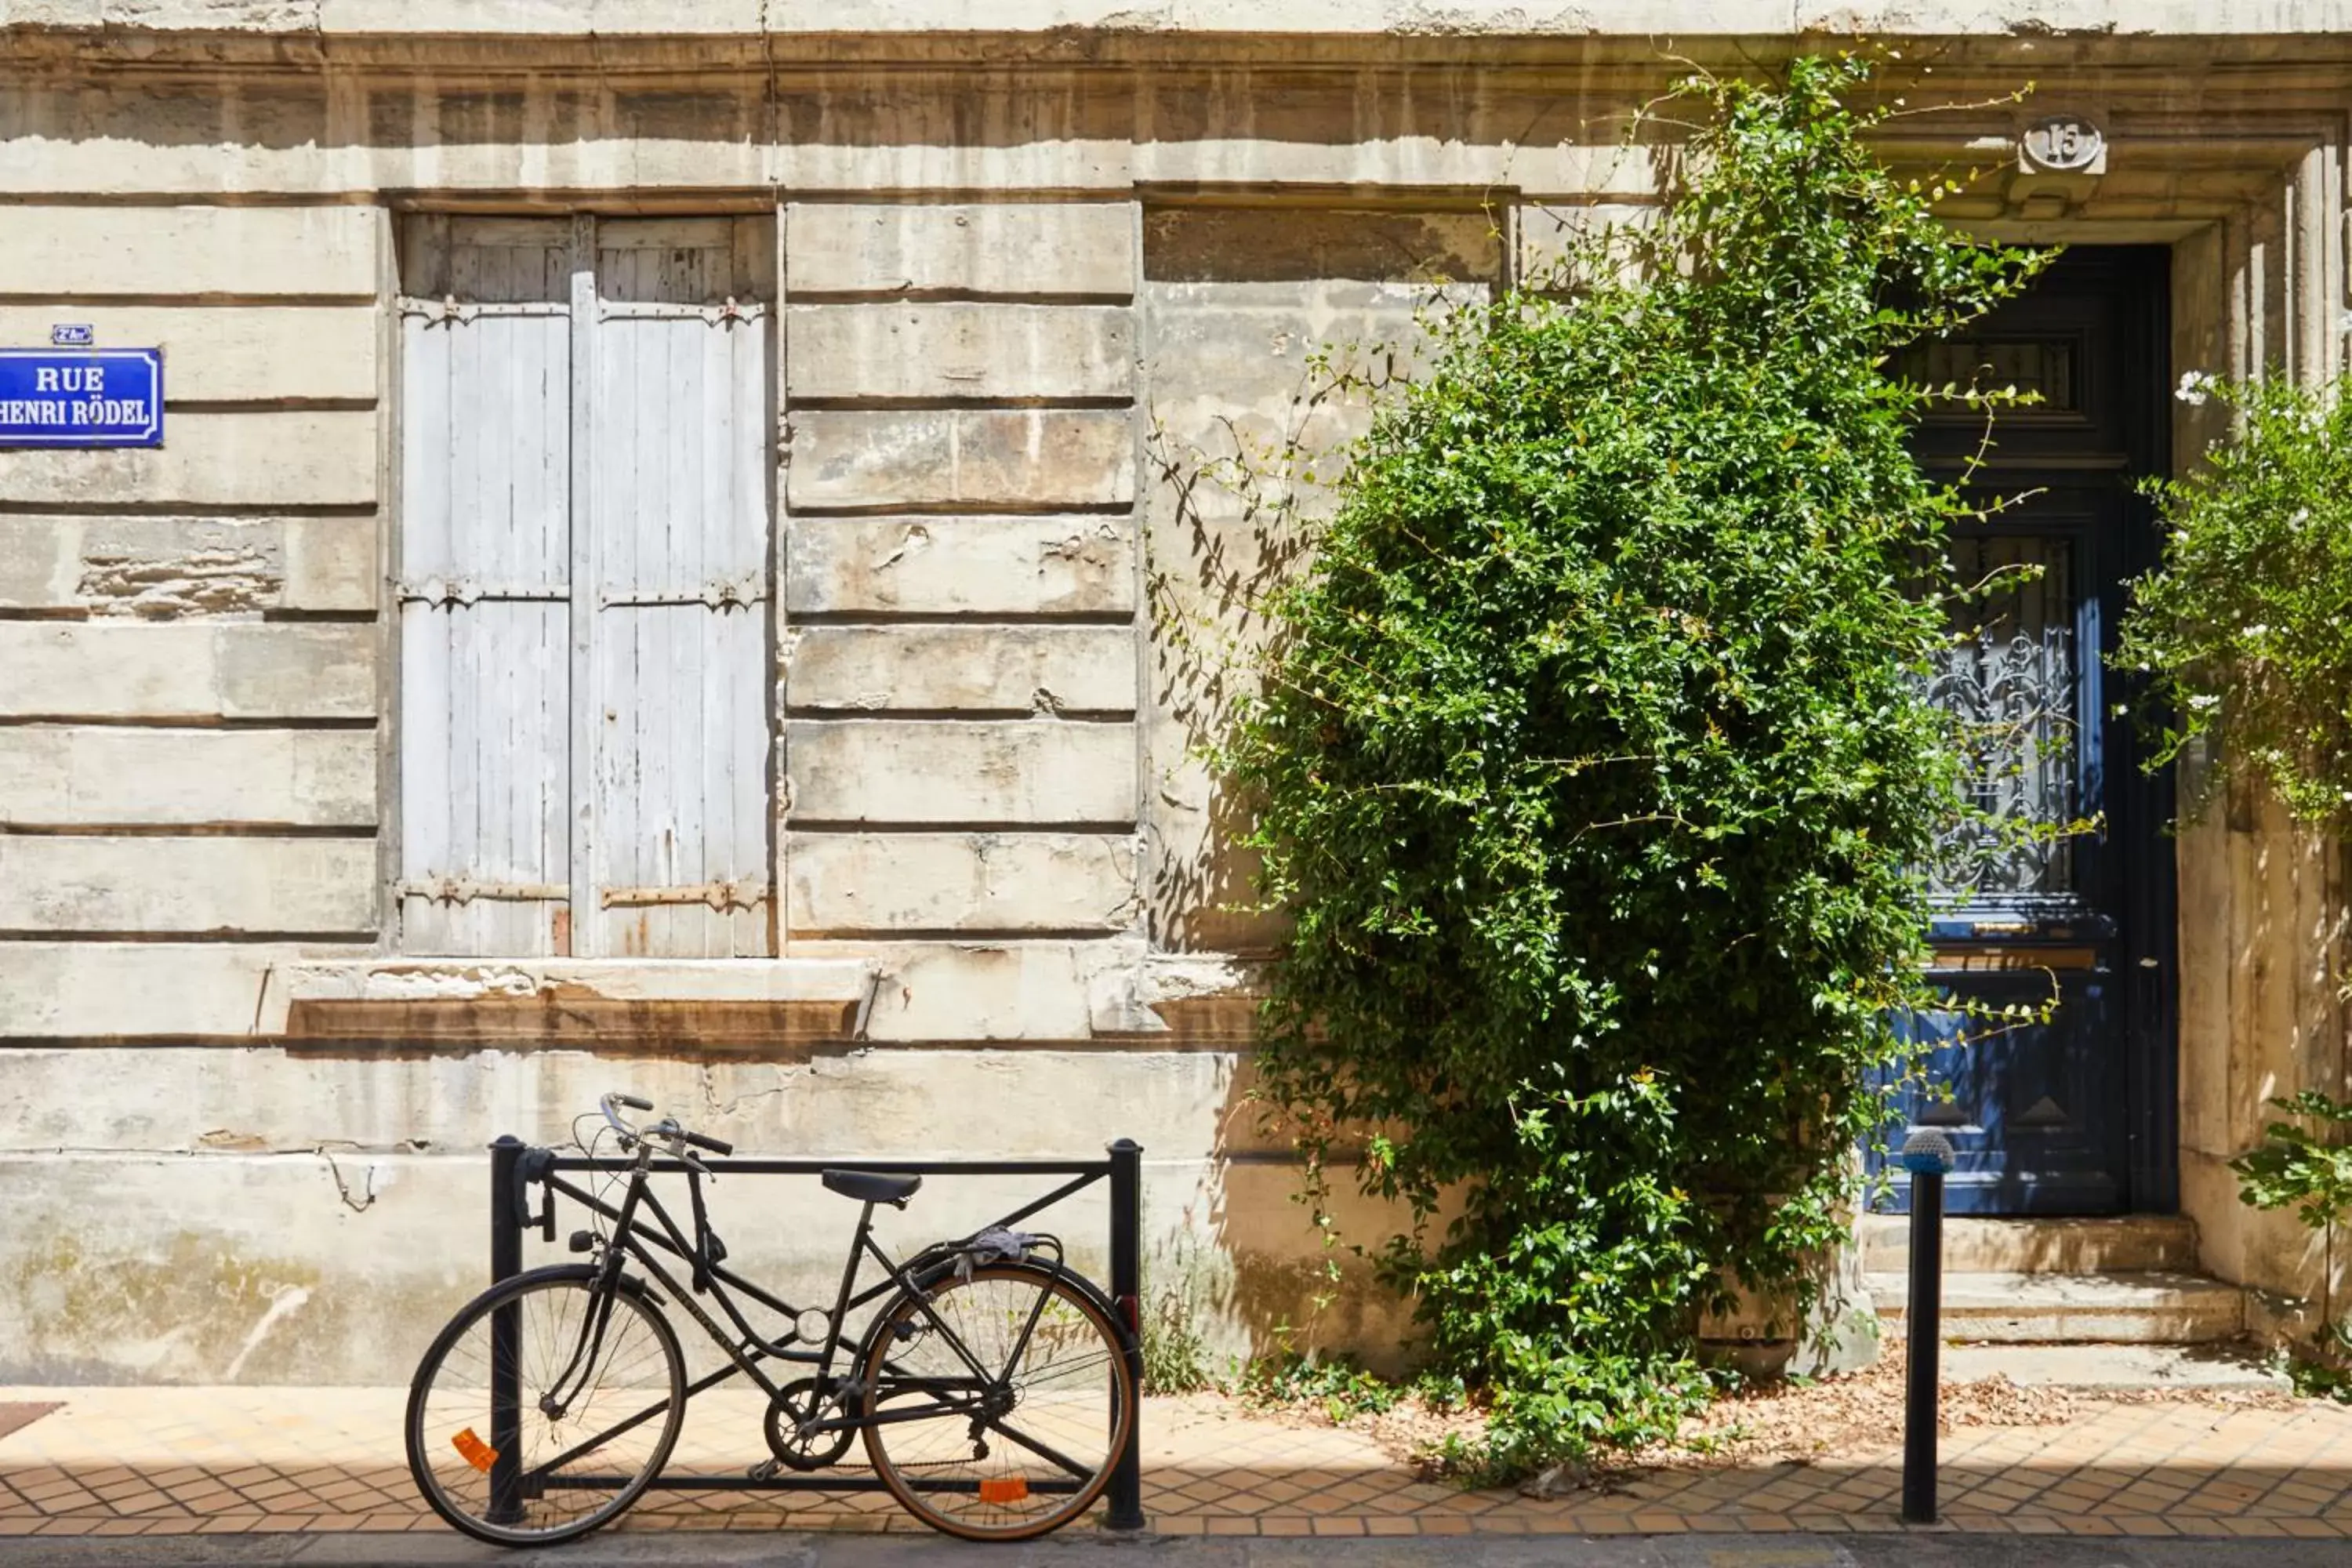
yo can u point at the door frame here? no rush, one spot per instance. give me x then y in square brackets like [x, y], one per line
[2138, 842]
[2144, 801]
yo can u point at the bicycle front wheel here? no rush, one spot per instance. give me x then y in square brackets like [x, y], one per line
[997, 1405]
[600, 1389]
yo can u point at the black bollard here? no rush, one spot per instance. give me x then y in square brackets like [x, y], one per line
[1928, 1155]
[506, 1336]
[1126, 1491]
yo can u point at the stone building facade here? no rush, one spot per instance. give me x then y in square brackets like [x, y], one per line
[850, 371]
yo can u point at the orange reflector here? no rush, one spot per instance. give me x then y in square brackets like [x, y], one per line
[473, 1450]
[1004, 1488]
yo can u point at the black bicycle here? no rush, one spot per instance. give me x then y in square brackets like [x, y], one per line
[993, 1390]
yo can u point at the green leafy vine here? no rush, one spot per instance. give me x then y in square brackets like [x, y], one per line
[2245, 629]
[1590, 758]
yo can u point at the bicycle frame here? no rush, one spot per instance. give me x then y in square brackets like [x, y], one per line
[633, 1241]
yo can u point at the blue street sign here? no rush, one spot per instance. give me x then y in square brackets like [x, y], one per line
[97, 397]
[73, 334]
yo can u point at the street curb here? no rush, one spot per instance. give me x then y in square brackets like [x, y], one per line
[719, 1549]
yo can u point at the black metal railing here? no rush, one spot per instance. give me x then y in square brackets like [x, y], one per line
[515, 1168]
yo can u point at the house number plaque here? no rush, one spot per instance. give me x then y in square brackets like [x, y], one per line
[2064, 144]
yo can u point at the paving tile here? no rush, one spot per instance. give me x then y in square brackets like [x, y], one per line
[386, 1522]
[209, 1461]
[1603, 1524]
[1972, 1519]
[2149, 1525]
[2311, 1527]
[2269, 1527]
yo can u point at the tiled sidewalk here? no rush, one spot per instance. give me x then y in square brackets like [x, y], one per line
[117, 1461]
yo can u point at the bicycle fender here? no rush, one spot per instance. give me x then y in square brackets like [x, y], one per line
[1055, 1270]
[628, 1284]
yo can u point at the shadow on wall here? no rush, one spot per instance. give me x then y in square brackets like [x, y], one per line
[1272, 330]
[1241, 1269]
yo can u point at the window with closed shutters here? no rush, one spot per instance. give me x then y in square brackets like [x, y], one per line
[582, 579]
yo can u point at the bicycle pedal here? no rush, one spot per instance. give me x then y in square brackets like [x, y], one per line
[765, 1470]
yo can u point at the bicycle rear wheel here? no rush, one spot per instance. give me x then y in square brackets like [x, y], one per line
[1023, 1442]
[596, 1412]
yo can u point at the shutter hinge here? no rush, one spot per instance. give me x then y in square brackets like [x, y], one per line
[466, 891]
[448, 311]
[734, 314]
[467, 591]
[721, 895]
[719, 594]
[442, 312]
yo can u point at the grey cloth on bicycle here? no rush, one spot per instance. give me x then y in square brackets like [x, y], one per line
[994, 1245]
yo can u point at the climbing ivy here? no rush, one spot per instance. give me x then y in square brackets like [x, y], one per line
[2246, 627]
[1592, 763]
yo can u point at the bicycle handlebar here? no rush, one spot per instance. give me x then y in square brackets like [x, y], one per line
[604, 1102]
[665, 1131]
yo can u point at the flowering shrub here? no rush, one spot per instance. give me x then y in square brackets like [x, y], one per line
[1596, 768]
[2246, 627]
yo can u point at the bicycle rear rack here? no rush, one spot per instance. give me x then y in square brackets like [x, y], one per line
[515, 1167]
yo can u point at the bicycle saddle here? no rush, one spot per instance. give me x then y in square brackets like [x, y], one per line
[871, 1187]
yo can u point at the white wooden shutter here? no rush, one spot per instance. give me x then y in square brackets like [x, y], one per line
[676, 512]
[484, 588]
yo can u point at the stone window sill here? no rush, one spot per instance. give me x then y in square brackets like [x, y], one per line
[703, 1005]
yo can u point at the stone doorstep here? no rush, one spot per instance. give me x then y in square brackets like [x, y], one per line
[2123, 1307]
[2214, 1364]
[2118, 1244]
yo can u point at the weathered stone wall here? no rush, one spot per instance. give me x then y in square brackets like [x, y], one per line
[2263, 955]
[1025, 282]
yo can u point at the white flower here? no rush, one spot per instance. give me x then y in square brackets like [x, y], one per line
[2205, 699]
[2194, 388]
[2257, 629]
[2302, 516]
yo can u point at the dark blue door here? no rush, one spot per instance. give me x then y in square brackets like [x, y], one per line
[2074, 1115]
